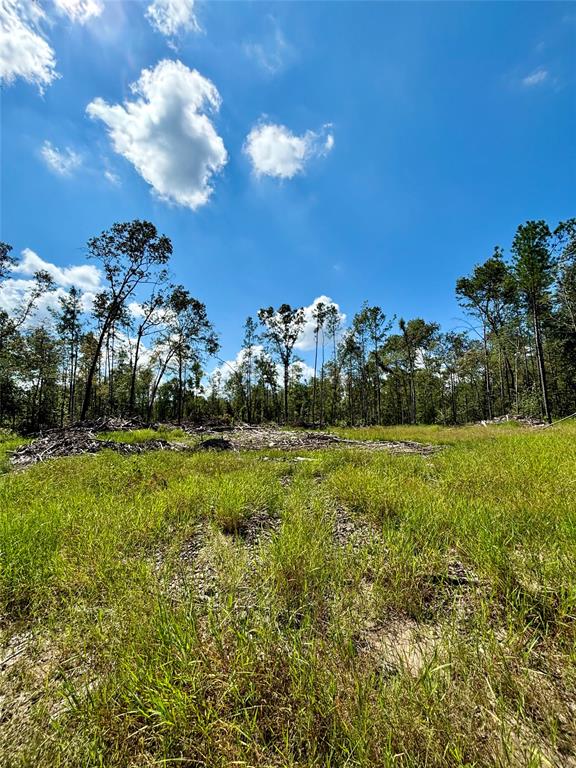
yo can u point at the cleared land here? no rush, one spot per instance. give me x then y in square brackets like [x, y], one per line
[281, 607]
[78, 440]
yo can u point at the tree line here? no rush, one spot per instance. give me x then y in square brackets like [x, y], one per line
[142, 347]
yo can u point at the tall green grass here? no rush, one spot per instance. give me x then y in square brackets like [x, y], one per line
[443, 636]
[9, 442]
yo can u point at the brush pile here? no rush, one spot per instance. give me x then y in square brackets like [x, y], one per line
[273, 438]
[80, 440]
[525, 421]
[83, 438]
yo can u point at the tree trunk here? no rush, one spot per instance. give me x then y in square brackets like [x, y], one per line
[180, 389]
[249, 391]
[314, 381]
[412, 394]
[322, 385]
[157, 384]
[336, 378]
[541, 366]
[132, 401]
[377, 385]
[487, 375]
[91, 373]
[72, 393]
[286, 378]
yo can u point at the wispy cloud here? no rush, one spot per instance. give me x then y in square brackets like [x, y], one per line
[80, 11]
[171, 17]
[60, 161]
[537, 77]
[24, 51]
[272, 53]
[112, 177]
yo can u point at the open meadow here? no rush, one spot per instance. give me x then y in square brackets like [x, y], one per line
[335, 607]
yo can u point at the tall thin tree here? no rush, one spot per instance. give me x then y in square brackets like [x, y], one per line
[533, 265]
[282, 327]
[129, 253]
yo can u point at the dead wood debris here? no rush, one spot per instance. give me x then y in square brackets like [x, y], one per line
[251, 438]
[526, 421]
[82, 439]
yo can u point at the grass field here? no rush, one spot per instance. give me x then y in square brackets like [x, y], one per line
[331, 608]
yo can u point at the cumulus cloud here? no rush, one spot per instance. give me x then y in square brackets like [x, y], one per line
[61, 161]
[300, 370]
[305, 343]
[228, 368]
[166, 134]
[171, 17]
[24, 51]
[136, 309]
[85, 277]
[80, 11]
[306, 340]
[275, 151]
[15, 294]
[16, 290]
[536, 78]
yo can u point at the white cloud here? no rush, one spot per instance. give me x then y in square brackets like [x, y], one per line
[275, 151]
[536, 78]
[306, 340]
[24, 52]
[80, 11]
[173, 16]
[166, 134]
[112, 177]
[300, 370]
[127, 343]
[160, 315]
[228, 368]
[305, 343]
[85, 277]
[136, 309]
[273, 53]
[16, 290]
[62, 161]
[14, 297]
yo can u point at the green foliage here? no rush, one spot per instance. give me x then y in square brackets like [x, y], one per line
[145, 346]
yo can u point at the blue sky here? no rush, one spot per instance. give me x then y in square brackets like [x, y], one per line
[363, 151]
